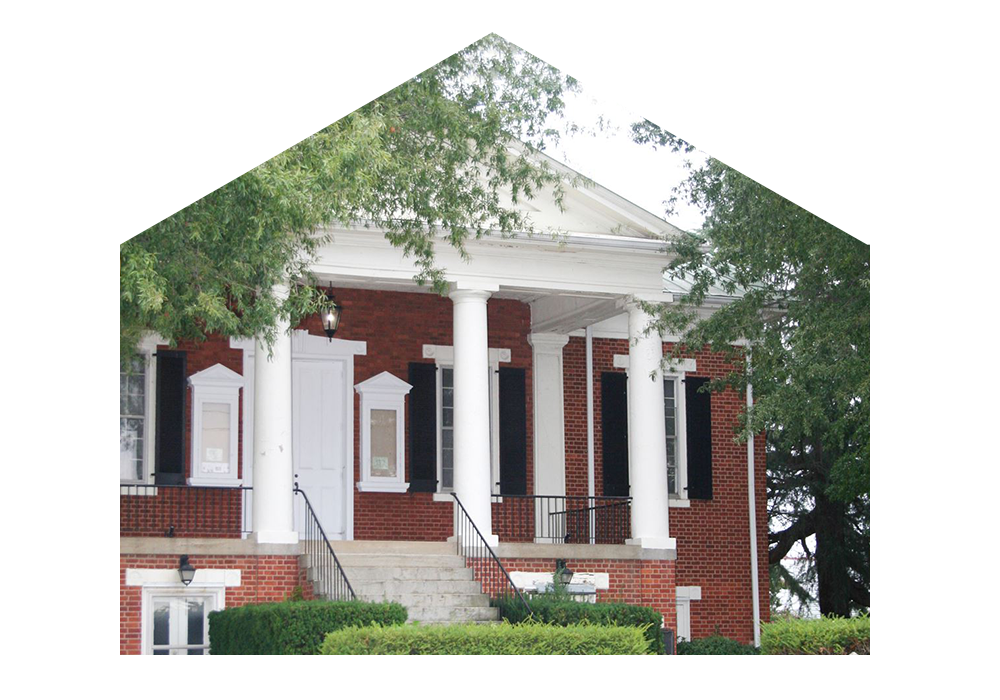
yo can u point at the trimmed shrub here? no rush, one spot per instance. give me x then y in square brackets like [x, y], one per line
[716, 644]
[292, 627]
[827, 635]
[555, 610]
[473, 639]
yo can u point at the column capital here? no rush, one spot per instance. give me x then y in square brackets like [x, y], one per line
[458, 296]
[548, 342]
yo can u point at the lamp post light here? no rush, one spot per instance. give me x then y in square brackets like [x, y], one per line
[186, 570]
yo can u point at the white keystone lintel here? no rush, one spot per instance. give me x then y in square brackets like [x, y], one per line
[689, 592]
[170, 577]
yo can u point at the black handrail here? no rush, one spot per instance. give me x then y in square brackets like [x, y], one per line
[472, 545]
[331, 581]
[562, 519]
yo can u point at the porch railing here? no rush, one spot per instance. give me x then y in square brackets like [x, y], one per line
[158, 510]
[562, 519]
[480, 557]
[327, 576]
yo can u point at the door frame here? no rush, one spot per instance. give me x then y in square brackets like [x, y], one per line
[306, 347]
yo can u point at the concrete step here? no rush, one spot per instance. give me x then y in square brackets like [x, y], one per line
[351, 560]
[390, 589]
[396, 573]
[431, 600]
[459, 614]
[391, 547]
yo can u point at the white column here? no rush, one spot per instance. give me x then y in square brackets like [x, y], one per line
[647, 441]
[549, 427]
[273, 475]
[472, 406]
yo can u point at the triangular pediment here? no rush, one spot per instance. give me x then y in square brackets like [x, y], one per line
[384, 383]
[216, 375]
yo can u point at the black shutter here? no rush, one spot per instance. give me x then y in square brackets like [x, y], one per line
[171, 392]
[513, 432]
[614, 432]
[423, 427]
[699, 438]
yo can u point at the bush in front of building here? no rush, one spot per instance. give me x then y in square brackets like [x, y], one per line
[826, 635]
[558, 610]
[472, 639]
[292, 627]
[716, 644]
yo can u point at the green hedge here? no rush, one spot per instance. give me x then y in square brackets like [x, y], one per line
[471, 639]
[827, 635]
[716, 644]
[557, 611]
[292, 627]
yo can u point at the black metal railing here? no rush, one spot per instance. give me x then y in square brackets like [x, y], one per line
[328, 579]
[480, 557]
[158, 510]
[562, 519]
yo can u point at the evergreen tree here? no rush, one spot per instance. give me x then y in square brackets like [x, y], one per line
[801, 304]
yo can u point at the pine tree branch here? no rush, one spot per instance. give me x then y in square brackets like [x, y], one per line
[783, 541]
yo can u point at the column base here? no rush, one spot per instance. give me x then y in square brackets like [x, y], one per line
[276, 537]
[654, 542]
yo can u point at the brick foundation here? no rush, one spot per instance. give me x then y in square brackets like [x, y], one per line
[265, 578]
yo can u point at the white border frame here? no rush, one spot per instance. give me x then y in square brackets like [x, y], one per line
[215, 592]
[384, 391]
[217, 384]
[147, 348]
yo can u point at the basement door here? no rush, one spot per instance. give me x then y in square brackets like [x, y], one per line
[319, 441]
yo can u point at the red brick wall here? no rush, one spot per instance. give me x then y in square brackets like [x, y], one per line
[396, 326]
[264, 578]
[713, 539]
[207, 513]
[635, 581]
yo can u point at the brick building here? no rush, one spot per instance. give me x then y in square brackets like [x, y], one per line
[520, 394]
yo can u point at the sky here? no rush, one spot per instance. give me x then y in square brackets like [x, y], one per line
[617, 84]
[639, 173]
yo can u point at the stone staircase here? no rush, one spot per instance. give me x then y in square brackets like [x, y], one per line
[428, 578]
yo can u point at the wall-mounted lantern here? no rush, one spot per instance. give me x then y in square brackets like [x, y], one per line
[329, 314]
[565, 575]
[186, 570]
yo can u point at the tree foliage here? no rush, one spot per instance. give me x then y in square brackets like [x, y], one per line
[434, 156]
[800, 290]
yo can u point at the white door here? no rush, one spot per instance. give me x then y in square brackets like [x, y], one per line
[319, 442]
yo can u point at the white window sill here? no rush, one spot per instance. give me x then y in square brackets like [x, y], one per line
[676, 502]
[138, 489]
[383, 487]
[228, 483]
[443, 498]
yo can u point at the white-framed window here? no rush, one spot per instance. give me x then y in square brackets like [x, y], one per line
[674, 416]
[215, 411]
[443, 356]
[675, 423]
[180, 624]
[137, 420]
[383, 430]
[174, 616]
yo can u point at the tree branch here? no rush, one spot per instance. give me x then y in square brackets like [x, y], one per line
[784, 540]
